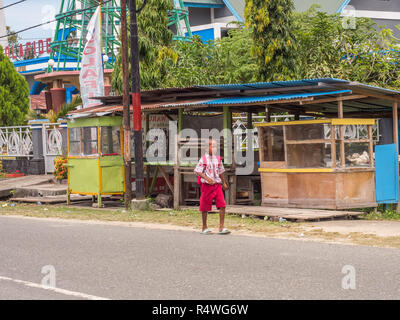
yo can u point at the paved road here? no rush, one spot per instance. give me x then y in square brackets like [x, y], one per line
[118, 262]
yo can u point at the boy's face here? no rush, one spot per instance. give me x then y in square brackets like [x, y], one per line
[212, 147]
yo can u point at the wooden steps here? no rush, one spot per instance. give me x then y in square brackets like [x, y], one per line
[52, 199]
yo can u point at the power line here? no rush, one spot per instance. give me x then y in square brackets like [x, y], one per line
[12, 4]
[51, 21]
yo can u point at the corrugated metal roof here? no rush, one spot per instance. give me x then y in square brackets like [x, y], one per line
[275, 84]
[367, 99]
[254, 100]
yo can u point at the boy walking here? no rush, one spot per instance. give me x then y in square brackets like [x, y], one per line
[210, 170]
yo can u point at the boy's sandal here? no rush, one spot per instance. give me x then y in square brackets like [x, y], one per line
[207, 231]
[224, 231]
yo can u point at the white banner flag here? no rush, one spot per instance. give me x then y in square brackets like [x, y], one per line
[91, 77]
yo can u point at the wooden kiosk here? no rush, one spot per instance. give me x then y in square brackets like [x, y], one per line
[311, 164]
[95, 162]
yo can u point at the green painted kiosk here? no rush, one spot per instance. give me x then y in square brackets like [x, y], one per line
[95, 157]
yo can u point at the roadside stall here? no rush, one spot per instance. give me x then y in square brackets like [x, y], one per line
[95, 161]
[302, 164]
[308, 164]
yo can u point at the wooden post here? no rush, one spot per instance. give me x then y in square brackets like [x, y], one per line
[341, 135]
[126, 112]
[147, 186]
[226, 126]
[153, 182]
[177, 176]
[371, 147]
[166, 178]
[267, 115]
[333, 146]
[285, 145]
[249, 120]
[180, 121]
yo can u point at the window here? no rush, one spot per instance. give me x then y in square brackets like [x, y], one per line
[90, 146]
[83, 141]
[74, 141]
[111, 141]
[273, 145]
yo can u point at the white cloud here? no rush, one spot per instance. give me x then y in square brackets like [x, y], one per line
[27, 14]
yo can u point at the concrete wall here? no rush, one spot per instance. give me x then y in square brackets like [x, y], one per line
[384, 12]
[376, 5]
[199, 16]
[222, 12]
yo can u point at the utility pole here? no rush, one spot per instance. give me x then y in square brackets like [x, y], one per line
[126, 113]
[136, 102]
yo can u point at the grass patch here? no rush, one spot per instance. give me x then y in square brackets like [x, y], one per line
[187, 218]
[387, 214]
[192, 218]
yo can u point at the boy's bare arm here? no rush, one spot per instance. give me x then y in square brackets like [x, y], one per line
[224, 184]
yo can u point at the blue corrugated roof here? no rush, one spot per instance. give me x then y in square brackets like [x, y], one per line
[273, 84]
[294, 96]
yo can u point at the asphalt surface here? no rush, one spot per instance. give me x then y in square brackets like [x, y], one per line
[118, 262]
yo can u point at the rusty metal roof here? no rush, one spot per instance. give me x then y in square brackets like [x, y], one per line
[321, 94]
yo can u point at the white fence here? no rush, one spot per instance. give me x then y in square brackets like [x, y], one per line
[16, 142]
[52, 144]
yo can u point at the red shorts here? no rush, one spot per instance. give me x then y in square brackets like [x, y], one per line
[208, 194]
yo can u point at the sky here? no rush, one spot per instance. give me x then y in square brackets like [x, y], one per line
[30, 13]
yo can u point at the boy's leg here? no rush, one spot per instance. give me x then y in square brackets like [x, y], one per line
[204, 217]
[221, 219]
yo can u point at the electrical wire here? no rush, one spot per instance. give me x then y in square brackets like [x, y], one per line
[54, 20]
[12, 4]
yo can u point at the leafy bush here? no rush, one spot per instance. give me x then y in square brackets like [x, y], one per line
[60, 168]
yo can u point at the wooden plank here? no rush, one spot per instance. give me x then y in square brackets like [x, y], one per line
[290, 213]
[342, 98]
[52, 199]
[356, 141]
[371, 147]
[333, 146]
[309, 141]
[166, 178]
[285, 142]
[341, 136]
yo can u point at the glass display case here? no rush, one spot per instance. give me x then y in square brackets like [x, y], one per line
[325, 163]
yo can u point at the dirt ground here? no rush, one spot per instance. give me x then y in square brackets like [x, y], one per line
[378, 228]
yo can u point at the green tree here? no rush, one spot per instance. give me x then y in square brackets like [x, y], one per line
[225, 60]
[271, 24]
[328, 48]
[14, 94]
[154, 45]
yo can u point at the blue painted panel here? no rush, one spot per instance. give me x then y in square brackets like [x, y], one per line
[37, 88]
[205, 35]
[386, 174]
